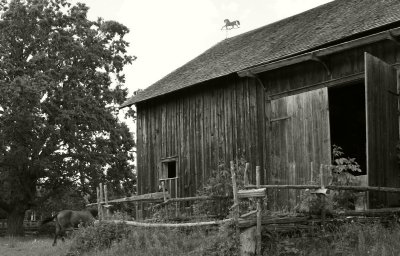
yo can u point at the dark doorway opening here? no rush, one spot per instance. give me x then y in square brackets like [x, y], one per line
[347, 121]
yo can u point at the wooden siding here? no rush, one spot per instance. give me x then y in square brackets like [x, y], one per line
[300, 128]
[229, 117]
[201, 129]
[383, 132]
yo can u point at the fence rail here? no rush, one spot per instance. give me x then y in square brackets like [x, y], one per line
[331, 187]
[251, 241]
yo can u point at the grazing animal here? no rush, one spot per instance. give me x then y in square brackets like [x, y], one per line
[68, 219]
[230, 24]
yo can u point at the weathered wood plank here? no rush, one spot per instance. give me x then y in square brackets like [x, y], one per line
[250, 193]
[172, 225]
[382, 131]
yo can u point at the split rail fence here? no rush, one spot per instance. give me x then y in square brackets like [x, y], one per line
[248, 225]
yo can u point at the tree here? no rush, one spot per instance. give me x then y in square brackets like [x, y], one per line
[61, 83]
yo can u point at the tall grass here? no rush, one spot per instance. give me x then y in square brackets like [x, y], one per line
[355, 239]
[118, 239]
[348, 239]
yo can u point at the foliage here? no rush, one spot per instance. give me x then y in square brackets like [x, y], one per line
[347, 239]
[61, 82]
[342, 172]
[343, 175]
[220, 184]
[100, 236]
[225, 243]
[124, 240]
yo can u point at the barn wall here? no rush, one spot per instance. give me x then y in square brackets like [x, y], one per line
[341, 65]
[201, 128]
[228, 117]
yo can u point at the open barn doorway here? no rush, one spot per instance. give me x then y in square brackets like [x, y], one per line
[348, 121]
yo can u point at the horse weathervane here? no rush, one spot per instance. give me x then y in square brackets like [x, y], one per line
[230, 24]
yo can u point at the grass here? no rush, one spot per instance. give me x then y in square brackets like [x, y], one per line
[31, 246]
[352, 239]
[118, 239]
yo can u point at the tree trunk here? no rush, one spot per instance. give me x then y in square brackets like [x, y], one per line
[15, 223]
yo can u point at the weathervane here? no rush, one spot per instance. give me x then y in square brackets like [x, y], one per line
[230, 25]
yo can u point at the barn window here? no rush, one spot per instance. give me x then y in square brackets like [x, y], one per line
[169, 169]
[169, 175]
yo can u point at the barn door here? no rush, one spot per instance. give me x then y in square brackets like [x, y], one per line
[382, 129]
[300, 141]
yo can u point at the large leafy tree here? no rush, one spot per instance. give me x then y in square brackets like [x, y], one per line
[61, 82]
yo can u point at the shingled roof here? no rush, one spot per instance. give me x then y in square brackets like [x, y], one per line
[328, 23]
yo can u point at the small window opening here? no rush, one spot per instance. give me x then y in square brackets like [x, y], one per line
[171, 166]
[169, 170]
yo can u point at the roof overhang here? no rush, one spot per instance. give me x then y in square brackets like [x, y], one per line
[317, 54]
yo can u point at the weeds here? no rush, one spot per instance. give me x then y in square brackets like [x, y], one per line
[349, 239]
[112, 239]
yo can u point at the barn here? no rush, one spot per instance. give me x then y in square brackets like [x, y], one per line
[280, 96]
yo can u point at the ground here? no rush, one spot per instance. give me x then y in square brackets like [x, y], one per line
[30, 246]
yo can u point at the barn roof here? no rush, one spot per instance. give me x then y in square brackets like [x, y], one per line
[326, 24]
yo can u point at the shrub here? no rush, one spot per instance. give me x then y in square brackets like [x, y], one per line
[99, 236]
[220, 184]
[342, 171]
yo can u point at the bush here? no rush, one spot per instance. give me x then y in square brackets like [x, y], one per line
[220, 184]
[98, 237]
[342, 175]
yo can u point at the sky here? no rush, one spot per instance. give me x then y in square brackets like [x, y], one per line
[166, 34]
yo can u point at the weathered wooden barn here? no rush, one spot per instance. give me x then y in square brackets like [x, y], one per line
[280, 96]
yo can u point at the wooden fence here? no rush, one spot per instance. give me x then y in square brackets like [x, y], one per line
[249, 225]
[29, 226]
[156, 201]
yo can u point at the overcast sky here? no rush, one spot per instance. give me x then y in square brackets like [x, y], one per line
[165, 34]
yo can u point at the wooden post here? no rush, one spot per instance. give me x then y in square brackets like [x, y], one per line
[322, 196]
[163, 190]
[235, 197]
[246, 174]
[176, 196]
[259, 201]
[98, 203]
[101, 213]
[137, 210]
[106, 202]
[165, 197]
[312, 172]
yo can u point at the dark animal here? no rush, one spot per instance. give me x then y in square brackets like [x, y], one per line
[230, 24]
[68, 219]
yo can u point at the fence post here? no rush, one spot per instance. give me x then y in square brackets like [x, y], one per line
[106, 202]
[259, 201]
[101, 201]
[246, 174]
[165, 197]
[98, 203]
[322, 196]
[235, 197]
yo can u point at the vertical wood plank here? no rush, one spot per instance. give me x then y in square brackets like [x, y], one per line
[382, 128]
[259, 211]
